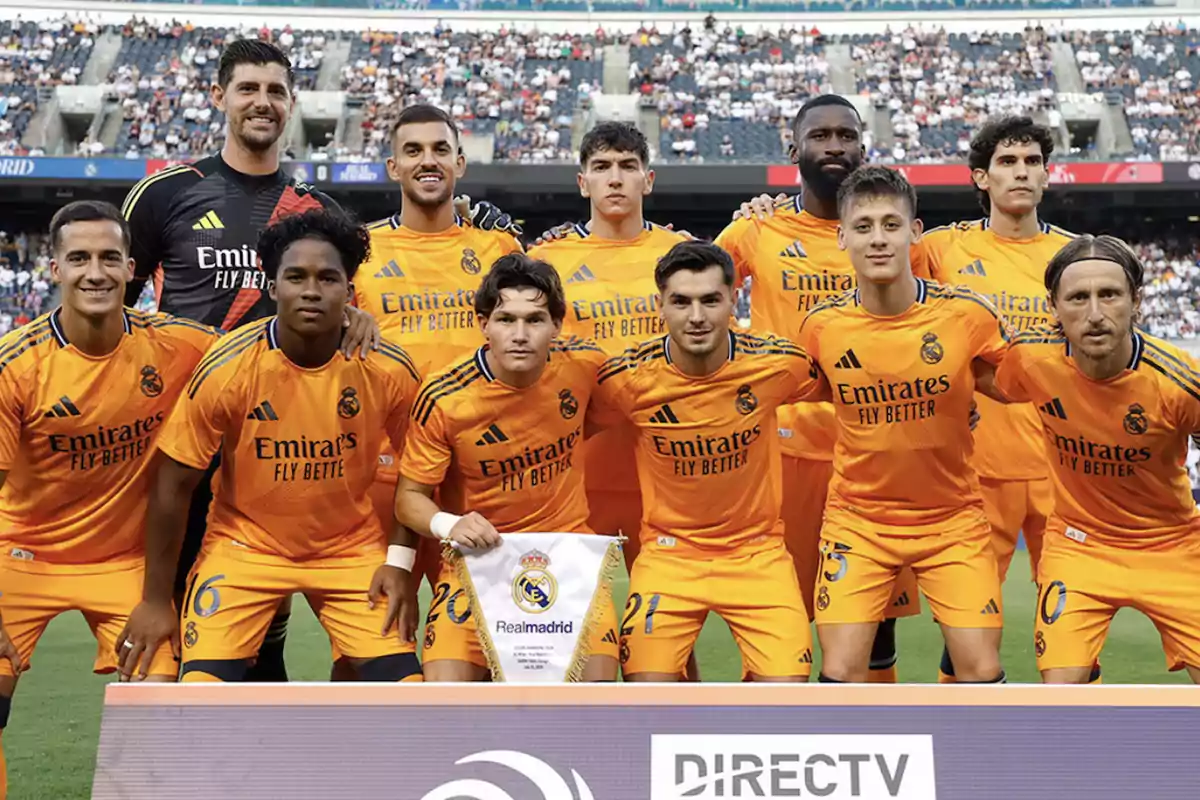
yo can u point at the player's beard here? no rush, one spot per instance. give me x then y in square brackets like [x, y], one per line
[258, 142]
[823, 184]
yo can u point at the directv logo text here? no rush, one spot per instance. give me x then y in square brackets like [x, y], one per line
[832, 767]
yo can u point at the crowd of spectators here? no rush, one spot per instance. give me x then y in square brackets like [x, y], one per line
[1153, 74]
[524, 87]
[1171, 291]
[26, 290]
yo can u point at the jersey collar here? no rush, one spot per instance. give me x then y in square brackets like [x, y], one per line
[1135, 358]
[60, 336]
[667, 348]
[583, 231]
[986, 223]
[273, 334]
[922, 292]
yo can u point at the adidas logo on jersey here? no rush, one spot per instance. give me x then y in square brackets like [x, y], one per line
[582, 275]
[493, 435]
[848, 361]
[390, 270]
[1054, 408]
[63, 408]
[665, 416]
[807, 657]
[902, 601]
[263, 412]
[793, 250]
[610, 637]
[208, 222]
[974, 268]
[991, 608]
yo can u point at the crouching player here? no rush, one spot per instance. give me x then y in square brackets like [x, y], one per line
[84, 391]
[298, 428]
[704, 401]
[500, 434]
[901, 353]
[1117, 407]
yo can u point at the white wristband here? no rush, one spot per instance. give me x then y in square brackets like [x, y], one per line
[442, 523]
[401, 557]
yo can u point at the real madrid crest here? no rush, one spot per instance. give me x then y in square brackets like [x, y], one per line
[534, 590]
[568, 406]
[823, 599]
[1135, 422]
[1039, 644]
[348, 405]
[470, 262]
[152, 383]
[931, 349]
[190, 635]
[745, 402]
[430, 636]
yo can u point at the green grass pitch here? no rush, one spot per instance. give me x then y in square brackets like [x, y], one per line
[51, 739]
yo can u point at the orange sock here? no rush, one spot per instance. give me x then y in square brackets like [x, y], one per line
[884, 675]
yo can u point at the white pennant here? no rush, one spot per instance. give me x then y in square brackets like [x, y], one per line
[537, 598]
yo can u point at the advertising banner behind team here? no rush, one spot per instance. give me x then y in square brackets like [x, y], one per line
[536, 599]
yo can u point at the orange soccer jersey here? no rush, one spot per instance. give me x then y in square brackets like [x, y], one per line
[420, 287]
[1010, 273]
[298, 446]
[902, 387]
[1117, 447]
[707, 460]
[77, 433]
[613, 300]
[795, 264]
[508, 454]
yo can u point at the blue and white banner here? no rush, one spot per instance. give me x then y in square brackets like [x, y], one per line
[85, 169]
[537, 598]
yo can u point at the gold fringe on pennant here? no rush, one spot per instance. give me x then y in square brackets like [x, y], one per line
[613, 558]
[481, 626]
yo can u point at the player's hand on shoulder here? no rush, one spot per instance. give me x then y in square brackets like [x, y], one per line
[486, 216]
[400, 590]
[761, 207]
[9, 650]
[973, 419]
[554, 234]
[687, 234]
[361, 333]
[150, 624]
[474, 531]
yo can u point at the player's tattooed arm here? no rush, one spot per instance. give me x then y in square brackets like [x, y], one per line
[761, 207]
[361, 332]
[416, 510]
[155, 620]
[395, 584]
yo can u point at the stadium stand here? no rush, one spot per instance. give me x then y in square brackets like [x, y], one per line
[25, 285]
[1152, 73]
[522, 87]
[34, 57]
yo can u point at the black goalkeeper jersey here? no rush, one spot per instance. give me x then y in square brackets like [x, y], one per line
[194, 229]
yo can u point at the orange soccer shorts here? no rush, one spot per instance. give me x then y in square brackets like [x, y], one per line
[451, 635]
[1082, 584]
[955, 570]
[805, 487]
[671, 594]
[1015, 507]
[233, 592]
[32, 593]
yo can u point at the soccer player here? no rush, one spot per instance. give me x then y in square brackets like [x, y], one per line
[901, 354]
[424, 269]
[297, 426]
[83, 394]
[1117, 407]
[194, 229]
[607, 266]
[1003, 257]
[704, 399]
[498, 433]
[789, 249]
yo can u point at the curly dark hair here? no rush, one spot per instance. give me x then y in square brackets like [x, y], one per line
[519, 271]
[1008, 129]
[350, 239]
[876, 181]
